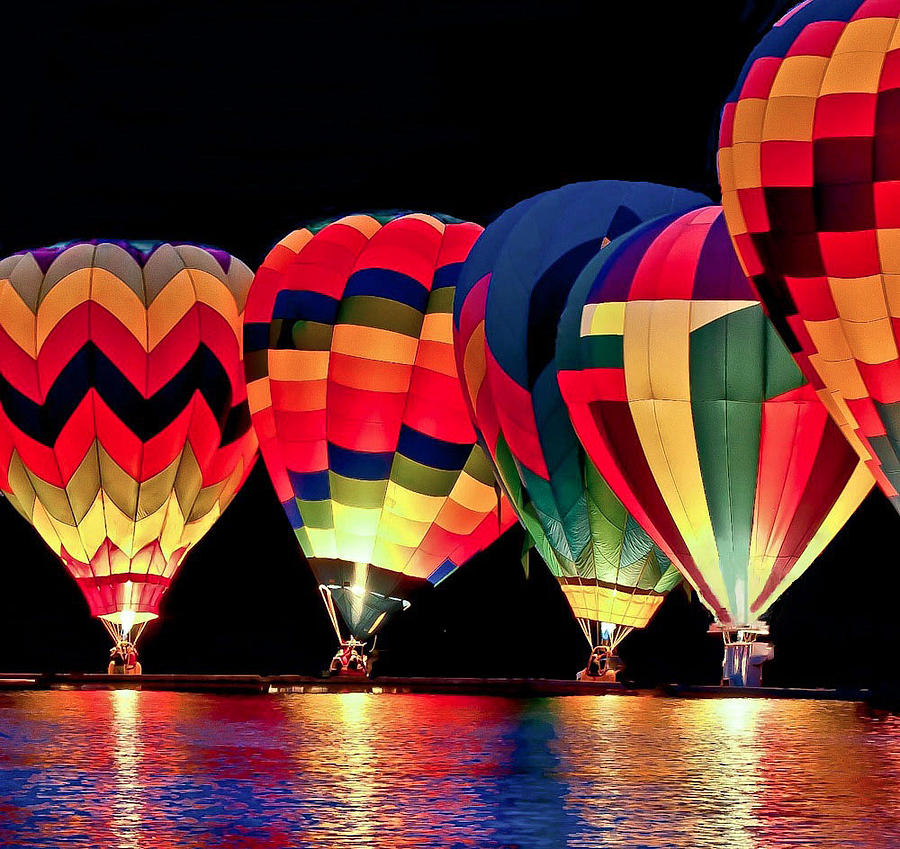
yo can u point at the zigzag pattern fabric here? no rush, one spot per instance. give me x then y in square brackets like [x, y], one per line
[124, 428]
[692, 408]
[354, 393]
[511, 293]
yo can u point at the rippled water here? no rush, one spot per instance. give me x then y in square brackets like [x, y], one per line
[144, 769]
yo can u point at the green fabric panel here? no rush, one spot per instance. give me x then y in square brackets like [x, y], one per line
[509, 474]
[479, 467]
[356, 493]
[372, 311]
[603, 351]
[305, 544]
[311, 335]
[782, 373]
[441, 300]
[316, 514]
[424, 479]
[727, 373]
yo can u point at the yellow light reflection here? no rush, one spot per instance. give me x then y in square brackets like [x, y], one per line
[127, 813]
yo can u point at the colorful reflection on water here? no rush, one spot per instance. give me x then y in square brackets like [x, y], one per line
[142, 769]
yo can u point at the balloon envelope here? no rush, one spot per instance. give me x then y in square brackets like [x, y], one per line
[355, 396]
[693, 409]
[809, 162]
[124, 429]
[510, 296]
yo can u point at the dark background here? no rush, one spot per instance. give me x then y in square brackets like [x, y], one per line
[231, 123]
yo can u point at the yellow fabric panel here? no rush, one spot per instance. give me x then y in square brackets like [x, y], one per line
[119, 530]
[734, 213]
[172, 527]
[22, 496]
[858, 299]
[296, 240]
[91, 531]
[889, 250]
[351, 547]
[259, 395]
[405, 502]
[749, 115]
[871, 341]
[71, 291]
[601, 604]
[843, 375]
[656, 350]
[213, 292]
[118, 486]
[473, 493]
[169, 307]
[84, 484]
[290, 365]
[365, 224]
[188, 479]
[373, 343]
[323, 543]
[42, 524]
[857, 488]
[828, 337]
[118, 298]
[891, 288]
[207, 499]
[53, 499]
[195, 530]
[18, 320]
[358, 521]
[789, 119]
[390, 555]
[438, 327]
[859, 71]
[866, 34]
[657, 379]
[666, 432]
[150, 527]
[704, 312]
[402, 531]
[603, 319]
[156, 491]
[745, 165]
[797, 76]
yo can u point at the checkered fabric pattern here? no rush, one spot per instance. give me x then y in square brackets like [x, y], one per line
[809, 162]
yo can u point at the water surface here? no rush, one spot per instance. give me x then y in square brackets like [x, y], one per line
[143, 769]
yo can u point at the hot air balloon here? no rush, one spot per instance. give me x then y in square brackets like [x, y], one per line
[124, 428]
[509, 298]
[809, 164]
[693, 410]
[354, 393]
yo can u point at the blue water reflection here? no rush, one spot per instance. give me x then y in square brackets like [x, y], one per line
[131, 769]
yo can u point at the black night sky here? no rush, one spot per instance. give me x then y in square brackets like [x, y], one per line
[230, 123]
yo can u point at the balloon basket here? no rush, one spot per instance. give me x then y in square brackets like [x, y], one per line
[744, 654]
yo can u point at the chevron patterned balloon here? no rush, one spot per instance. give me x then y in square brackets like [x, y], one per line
[124, 429]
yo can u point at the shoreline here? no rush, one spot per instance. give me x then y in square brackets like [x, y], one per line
[501, 687]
